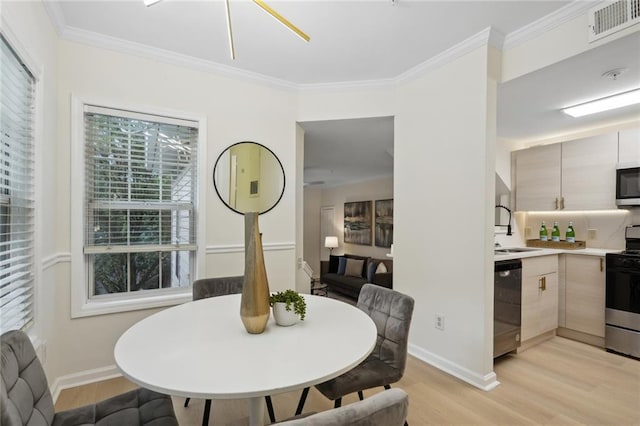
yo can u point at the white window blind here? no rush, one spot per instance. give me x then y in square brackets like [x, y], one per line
[17, 105]
[141, 180]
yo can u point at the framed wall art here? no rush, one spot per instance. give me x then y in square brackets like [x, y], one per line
[357, 222]
[384, 223]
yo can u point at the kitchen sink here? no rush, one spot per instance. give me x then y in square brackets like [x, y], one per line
[513, 250]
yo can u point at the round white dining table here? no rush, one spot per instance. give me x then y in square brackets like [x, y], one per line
[201, 349]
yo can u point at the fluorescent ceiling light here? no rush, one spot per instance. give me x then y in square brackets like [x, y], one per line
[151, 2]
[605, 104]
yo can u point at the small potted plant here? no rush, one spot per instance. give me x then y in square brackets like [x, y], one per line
[288, 306]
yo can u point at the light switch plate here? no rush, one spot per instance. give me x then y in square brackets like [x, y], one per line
[592, 234]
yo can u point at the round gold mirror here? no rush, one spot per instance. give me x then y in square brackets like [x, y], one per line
[248, 177]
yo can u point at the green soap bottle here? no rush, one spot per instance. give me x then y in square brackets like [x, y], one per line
[544, 236]
[555, 232]
[571, 234]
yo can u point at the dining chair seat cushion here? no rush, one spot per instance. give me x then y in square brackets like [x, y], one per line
[386, 408]
[370, 373]
[134, 408]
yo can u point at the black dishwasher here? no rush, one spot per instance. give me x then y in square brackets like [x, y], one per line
[507, 293]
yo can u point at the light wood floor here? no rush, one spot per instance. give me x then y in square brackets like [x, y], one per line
[559, 382]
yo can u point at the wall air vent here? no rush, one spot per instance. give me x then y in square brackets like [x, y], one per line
[612, 17]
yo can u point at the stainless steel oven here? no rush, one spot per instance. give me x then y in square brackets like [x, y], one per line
[622, 306]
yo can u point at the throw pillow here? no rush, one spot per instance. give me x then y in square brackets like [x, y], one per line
[354, 268]
[371, 270]
[342, 265]
[381, 269]
[333, 264]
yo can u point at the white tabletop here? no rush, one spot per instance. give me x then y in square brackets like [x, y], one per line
[201, 349]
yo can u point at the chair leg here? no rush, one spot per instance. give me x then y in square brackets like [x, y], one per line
[272, 416]
[303, 398]
[207, 411]
[387, 387]
[186, 402]
[360, 395]
[337, 403]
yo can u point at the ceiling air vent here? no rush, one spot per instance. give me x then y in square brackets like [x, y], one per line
[612, 17]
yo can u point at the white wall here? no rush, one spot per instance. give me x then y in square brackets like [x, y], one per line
[312, 204]
[443, 229]
[235, 111]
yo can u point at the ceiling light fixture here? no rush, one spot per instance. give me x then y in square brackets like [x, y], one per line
[284, 21]
[620, 100]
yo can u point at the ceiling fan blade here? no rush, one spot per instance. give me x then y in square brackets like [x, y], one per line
[229, 30]
[284, 21]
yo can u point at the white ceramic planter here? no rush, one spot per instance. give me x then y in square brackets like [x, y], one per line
[282, 316]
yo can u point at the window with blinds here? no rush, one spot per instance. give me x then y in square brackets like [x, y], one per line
[140, 180]
[17, 107]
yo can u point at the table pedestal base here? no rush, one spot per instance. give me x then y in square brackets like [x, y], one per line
[256, 411]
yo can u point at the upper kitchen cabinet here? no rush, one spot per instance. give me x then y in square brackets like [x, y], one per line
[574, 175]
[629, 146]
[538, 178]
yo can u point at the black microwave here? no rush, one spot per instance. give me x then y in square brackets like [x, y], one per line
[628, 185]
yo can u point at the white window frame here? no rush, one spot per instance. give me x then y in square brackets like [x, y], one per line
[82, 304]
[34, 329]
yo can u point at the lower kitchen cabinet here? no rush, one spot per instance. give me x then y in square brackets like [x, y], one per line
[585, 294]
[539, 297]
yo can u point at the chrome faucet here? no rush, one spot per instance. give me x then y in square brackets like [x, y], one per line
[509, 224]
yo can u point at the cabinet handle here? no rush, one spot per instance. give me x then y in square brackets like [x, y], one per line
[561, 203]
[542, 283]
[556, 203]
[601, 264]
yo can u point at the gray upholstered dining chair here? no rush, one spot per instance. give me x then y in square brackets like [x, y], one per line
[391, 311]
[212, 287]
[388, 408]
[25, 398]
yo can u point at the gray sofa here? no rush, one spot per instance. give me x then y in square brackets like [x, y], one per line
[350, 284]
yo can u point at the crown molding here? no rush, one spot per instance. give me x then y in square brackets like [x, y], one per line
[480, 39]
[56, 16]
[142, 50]
[488, 36]
[547, 23]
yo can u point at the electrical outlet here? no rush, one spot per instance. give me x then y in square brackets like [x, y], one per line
[592, 234]
[439, 322]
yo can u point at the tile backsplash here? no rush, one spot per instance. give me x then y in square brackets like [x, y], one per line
[600, 229]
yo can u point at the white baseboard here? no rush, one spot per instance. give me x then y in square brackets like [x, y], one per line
[486, 382]
[82, 378]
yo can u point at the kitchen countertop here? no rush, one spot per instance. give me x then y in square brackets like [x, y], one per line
[546, 252]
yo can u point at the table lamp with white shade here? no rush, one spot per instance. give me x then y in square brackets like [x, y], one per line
[331, 243]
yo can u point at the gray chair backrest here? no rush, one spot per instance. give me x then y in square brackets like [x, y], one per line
[212, 287]
[391, 311]
[24, 393]
[386, 408]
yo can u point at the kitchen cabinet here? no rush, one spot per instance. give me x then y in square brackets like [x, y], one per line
[629, 146]
[574, 175]
[539, 296]
[585, 294]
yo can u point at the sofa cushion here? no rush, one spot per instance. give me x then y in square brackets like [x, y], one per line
[366, 259]
[371, 270]
[342, 265]
[381, 269]
[354, 268]
[333, 264]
